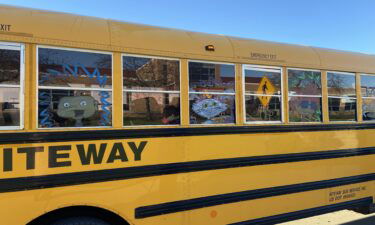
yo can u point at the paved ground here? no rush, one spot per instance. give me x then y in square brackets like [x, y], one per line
[344, 217]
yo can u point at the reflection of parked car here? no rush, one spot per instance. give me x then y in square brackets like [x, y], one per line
[9, 114]
[369, 116]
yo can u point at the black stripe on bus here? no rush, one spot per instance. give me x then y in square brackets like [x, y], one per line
[281, 218]
[60, 136]
[75, 178]
[208, 201]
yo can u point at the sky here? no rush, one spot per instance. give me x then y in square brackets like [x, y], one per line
[338, 24]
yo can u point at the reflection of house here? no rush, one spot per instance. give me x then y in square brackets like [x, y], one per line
[136, 104]
[151, 73]
[368, 91]
[143, 74]
[211, 77]
[342, 104]
[252, 83]
[348, 92]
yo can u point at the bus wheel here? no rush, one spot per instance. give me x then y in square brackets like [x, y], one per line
[80, 220]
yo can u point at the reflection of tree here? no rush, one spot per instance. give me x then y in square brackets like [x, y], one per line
[50, 57]
[303, 79]
[103, 61]
[9, 66]
[337, 84]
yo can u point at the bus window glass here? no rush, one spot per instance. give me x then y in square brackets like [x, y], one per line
[262, 94]
[368, 86]
[368, 97]
[305, 97]
[64, 68]
[9, 66]
[341, 96]
[151, 74]
[209, 77]
[151, 91]
[254, 78]
[212, 93]
[74, 108]
[75, 88]
[302, 82]
[10, 88]
[9, 106]
[341, 84]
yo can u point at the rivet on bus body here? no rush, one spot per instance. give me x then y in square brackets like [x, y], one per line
[213, 213]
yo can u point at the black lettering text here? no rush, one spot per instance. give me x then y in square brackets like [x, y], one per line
[54, 155]
[137, 150]
[117, 153]
[91, 153]
[4, 27]
[30, 155]
[7, 159]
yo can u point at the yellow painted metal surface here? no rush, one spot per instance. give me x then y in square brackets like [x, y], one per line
[34, 27]
[124, 196]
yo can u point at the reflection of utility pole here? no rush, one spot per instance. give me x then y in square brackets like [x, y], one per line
[165, 76]
[148, 108]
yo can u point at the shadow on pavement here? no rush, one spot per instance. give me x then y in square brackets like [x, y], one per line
[365, 221]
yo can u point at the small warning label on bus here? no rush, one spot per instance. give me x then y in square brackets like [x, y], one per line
[345, 193]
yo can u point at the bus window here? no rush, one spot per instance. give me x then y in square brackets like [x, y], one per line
[342, 103]
[305, 95]
[263, 94]
[368, 97]
[10, 86]
[211, 93]
[151, 91]
[74, 88]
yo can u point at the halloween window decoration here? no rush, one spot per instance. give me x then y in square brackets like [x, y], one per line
[211, 93]
[151, 91]
[342, 101]
[10, 86]
[368, 97]
[305, 95]
[263, 94]
[74, 88]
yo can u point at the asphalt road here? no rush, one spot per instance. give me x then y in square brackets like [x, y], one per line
[344, 217]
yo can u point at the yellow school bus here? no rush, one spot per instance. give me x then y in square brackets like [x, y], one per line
[109, 123]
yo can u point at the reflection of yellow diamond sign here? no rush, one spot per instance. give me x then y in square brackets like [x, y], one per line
[264, 91]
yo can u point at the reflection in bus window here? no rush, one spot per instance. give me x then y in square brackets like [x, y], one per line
[74, 88]
[10, 87]
[151, 74]
[151, 91]
[9, 107]
[212, 93]
[151, 109]
[256, 111]
[368, 97]
[9, 67]
[341, 96]
[64, 68]
[305, 97]
[262, 94]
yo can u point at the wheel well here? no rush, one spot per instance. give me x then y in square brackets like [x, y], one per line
[91, 211]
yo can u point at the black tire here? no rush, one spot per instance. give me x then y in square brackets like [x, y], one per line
[80, 220]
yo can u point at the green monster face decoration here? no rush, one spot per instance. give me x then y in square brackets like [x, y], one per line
[77, 108]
